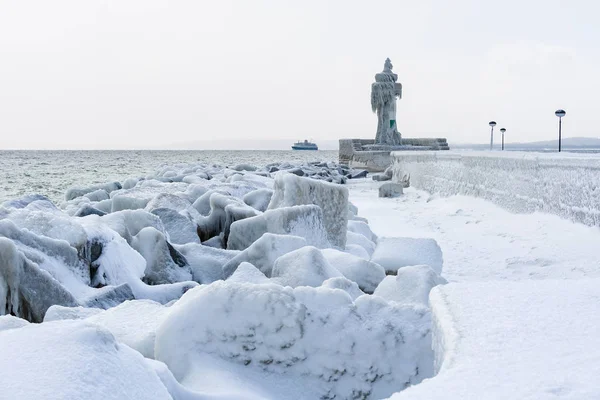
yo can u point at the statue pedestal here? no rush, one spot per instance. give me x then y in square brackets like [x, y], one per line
[365, 154]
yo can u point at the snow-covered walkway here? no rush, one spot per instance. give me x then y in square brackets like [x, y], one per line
[519, 318]
[482, 241]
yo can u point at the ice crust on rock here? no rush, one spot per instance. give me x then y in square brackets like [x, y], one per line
[259, 199]
[365, 273]
[393, 253]
[344, 284]
[248, 273]
[359, 239]
[75, 192]
[291, 190]
[206, 263]
[264, 251]
[303, 267]
[305, 221]
[411, 286]
[367, 349]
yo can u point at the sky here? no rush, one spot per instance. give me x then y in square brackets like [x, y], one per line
[159, 74]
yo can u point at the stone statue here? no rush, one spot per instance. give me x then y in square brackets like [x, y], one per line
[384, 92]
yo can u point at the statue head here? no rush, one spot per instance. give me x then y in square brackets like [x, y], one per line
[387, 67]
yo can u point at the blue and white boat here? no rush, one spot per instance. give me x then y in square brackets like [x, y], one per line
[306, 145]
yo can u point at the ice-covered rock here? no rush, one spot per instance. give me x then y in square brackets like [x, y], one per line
[304, 221]
[73, 360]
[394, 253]
[390, 189]
[303, 267]
[74, 192]
[246, 272]
[206, 263]
[411, 286]
[108, 296]
[359, 239]
[161, 265]
[259, 199]
[127, 223]
[26, 290]
[264, 251]
[224, 210]
[97, 195]
[57, 313]
[365, 273]
[344, 284]
[362, 228]
[357, 251]
[337, 348]
[290, 190]
[180, 229]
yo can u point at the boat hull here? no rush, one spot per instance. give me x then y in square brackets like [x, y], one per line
[304, 148]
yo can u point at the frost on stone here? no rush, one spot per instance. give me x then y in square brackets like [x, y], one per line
[259, 199]
[411, 286]
[263, 252]
[364, 350]
[365, 273]
[206, 263]
[305, 221]
[224, 211]
[303, 267]
[395, 253]
[291, 190]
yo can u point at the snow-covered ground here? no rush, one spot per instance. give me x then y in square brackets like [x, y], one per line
[519, 319]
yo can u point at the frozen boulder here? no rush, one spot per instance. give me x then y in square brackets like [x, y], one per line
[248, 273]
[73, 360]
[411, 286]
[259, 199]
[108, 296]
[224, 211]
[263, 252]
[395, 253]
[304, 221]
[97, 195]
[74, 192]
[362, 228]
[58, 313]
[365, 273]
[180, 229]
[206, 263]
[357, 251]
[26, 290]
[318, 338]
[391, 189]
[244, 167]
[303, 267]
[344, 284]
[359, 239]
[160, 263]
[24, 201]
[291, 190]
[88, 209]
[127, 223]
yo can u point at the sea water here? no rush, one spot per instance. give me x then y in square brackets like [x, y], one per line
[50, 172]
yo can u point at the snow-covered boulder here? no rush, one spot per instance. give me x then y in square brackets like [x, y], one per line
[162, 265]
[126, 223]
[248, 273]
[411, 286]
[365, 273]
[363, 228]
[74, 192]
[317, 336]
[259, 199]
[73, 360]
[180, 229]
[303, 267]
[263, 252]
[291, 190]
[394, 253]
[304, 221]
[206, 262]
[359, 239]
[224, 211]
[391, 189]
[344, 284]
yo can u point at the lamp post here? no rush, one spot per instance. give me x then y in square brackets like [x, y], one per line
[492, 124]
[502, 130]
[560, 114]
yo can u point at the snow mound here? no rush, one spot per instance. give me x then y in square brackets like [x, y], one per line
[341, 349]
[394, 253]
[411, 285]
[291, 190]
[358, 239]
[343, 284]
[248, 273]
[73, 360]
[304, 221]
[303, 267]
[11, 322]
[365, 273]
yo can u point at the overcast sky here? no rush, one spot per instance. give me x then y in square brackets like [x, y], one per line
[142, 73]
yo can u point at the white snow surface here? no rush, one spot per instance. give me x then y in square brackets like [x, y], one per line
[411, 285]
[397, 252]
[317, 336]
[528, 340]
[72, 360]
